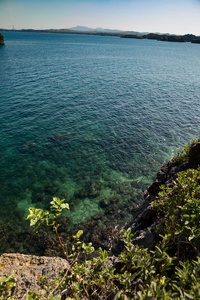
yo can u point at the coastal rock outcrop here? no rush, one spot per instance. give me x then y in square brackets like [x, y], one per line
[1, 39]
[146, 221]
[28, 269]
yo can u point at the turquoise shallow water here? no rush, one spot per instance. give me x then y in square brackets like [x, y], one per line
[90, 118]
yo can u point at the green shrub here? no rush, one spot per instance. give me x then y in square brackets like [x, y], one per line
[181, 208]
[183, 155]
[7, 284]
[142, 274]
[138, 273]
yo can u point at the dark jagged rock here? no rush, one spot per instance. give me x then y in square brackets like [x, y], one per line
[194, 156]
[146, 221]
[1, 39]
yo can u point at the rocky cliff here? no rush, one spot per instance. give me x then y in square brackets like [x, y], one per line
[146, 221]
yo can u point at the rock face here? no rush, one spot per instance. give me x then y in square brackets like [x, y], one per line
[28, 269]
[1, 39]
[145, 218]
[194, 156]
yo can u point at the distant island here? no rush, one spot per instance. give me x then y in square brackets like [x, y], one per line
[76, 30]
[191, 38]
[166, 37]
[1, 39]
[80, 30]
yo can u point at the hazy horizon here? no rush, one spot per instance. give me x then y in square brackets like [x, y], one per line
[172, 16]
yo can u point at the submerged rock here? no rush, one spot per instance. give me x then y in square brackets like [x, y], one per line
[57, 138]
[28, 148]
[81, 194]
[104, 203]
[94, 189]
[90, 190]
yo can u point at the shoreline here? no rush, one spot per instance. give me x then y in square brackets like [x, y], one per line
[190, 38]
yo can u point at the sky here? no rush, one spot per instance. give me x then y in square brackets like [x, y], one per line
[164, 16]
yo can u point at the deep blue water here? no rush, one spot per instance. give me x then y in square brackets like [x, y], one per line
[88, 118]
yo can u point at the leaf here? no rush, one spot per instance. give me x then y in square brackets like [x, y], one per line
[65, 205]
[78, 234]
[191, 237]
[36, 215]
[50, 221]
[58, 205]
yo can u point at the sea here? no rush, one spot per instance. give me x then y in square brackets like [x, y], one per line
[89, 119]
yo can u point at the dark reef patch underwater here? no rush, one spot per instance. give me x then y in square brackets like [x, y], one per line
[89, 119]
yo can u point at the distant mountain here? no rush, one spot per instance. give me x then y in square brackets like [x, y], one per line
[89, 29]
[103, 30]
[83, 30]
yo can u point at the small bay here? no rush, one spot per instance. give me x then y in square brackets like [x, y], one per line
[90, 119]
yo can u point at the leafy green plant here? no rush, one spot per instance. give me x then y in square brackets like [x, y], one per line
[138, 274]
[7, 284]
[181, 208]
[85, 277]
[142, 274]
[183, 154]
[48, 217]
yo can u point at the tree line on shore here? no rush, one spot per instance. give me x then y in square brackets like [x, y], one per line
[166, 38]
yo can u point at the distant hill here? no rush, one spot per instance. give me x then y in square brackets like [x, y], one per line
[99, 29]
[87, 29]
[191, 38]
[83, 30]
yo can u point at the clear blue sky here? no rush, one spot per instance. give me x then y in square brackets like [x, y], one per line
[166, 16]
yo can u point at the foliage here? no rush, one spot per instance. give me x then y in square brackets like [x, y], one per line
[181, 208]
[196, 41]
[41, 216]
[183, 155]
[137, 273]
[165, 37]
[7, 285]
[38, 215]
[141, 275]
[85, 276]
